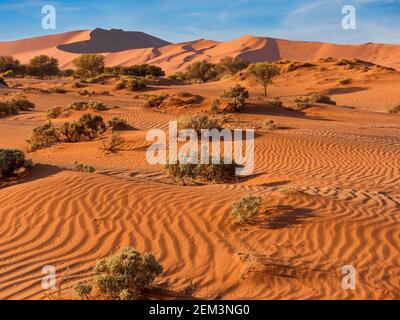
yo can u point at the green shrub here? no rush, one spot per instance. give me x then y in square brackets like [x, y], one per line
[303, 103]
[83, 290]
[263, 72]
[198, 122]
[84, 167]
[269, 125]
[113, 143]
[143, 70]
[153, 101]
[117, 123]
[246, 208]
[237, 96]
[11, 161]
[54, 113]
[131, 84]
[89, 65]
[395, 109]
[277, 103]
[201, 71]
[43, 136]
[126, 274]
[87, 105]
[185, 172]
[16, 103]
[321, 98]
[43, 66]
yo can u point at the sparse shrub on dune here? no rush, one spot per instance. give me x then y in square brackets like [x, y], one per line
[58, 90]
[113, 143]
[87, 105]
[345, 81]
[122, 276]
[43, 136]
[198, 122]
[277, 102]
[153, 101]
[303, 103]
[116, 123]
[78, 85]
[12, 161]
[179, 76]
[236, 96]
[321, 98]
[216, 106]
[131, 84]
[84, 167]
[185, 172]
[395, 109]
[269, 125]
[246, 209]
[86, 128]
[54, 113]
[16, 103]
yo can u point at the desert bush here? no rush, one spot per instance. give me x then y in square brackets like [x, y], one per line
[345, 81]
[77, 85]
[216, 106]
[12, 161]
[395, 109]
[153, 101]
[202, 71]
[84, 167]
[43, 136]
[269, 125]
[263, 73]
[16, 103]
[231, 66]
[135, 84]
[87, 105]
[117, 123]
[303, 103]
[198, 122]
[82, 290]
[126, 274]
[143, 70]
[179, 76]
[67, 73]
[246, 208]
[89, 65]
[185, 172]
[86, 128]
[184, 98]
[237, 96]
[54, 113]
[43, 66]
[113, 143]
[3, 82]
[58, 90]
[277, 102]
[321, 98]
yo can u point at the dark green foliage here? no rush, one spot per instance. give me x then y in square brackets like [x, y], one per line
[201, 71]
[15, 103]
[143, 70]
[11, 161]
[43, 66]
[89, 65]
[263, 72]
[8, 63]
[117, 123]
[84, 167]
[231, 66]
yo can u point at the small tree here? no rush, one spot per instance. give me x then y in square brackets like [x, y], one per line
[8, 63]
[246, 208]
[89, 65]
[263, 72]
[43, 66]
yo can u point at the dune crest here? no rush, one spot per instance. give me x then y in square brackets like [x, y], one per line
[128, 48]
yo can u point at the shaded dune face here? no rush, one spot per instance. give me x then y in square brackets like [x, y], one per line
[129, 48]
[102, 41]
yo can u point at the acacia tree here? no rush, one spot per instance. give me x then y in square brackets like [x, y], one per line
[42, 66]
[229, 65]
[263, 72]
[8, 63]
[89, 65]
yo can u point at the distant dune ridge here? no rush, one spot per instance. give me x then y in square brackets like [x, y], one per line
[128, 48]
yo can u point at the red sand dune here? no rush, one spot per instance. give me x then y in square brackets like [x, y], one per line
[127, 48]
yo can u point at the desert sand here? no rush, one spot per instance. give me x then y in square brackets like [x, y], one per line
[129, 48]
[329, 179]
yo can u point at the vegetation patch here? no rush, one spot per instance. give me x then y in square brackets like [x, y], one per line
[12, 162]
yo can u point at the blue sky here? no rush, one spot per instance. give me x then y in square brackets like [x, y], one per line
[183, 20]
